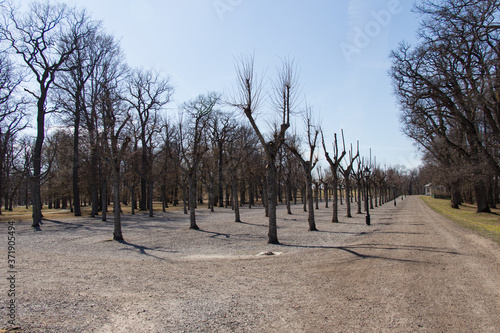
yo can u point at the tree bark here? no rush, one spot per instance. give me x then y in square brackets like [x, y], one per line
[310, 200]
[235, 198]
[335, 204]
[37, 162]
[271, 203]
[76, 157]
[192, 202]
[117, 222]
[347, 196]
[481, 197]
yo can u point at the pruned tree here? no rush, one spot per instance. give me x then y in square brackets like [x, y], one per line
[334, 166]
[309, 163]
[248, 99]
[347, 172]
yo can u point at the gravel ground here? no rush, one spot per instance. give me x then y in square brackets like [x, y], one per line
[412, 270]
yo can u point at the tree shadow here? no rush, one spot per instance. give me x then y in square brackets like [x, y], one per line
[351, 250]
[215, 234]
[254, 224]
[142, 249]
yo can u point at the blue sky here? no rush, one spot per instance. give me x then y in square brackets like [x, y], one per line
[340, 47]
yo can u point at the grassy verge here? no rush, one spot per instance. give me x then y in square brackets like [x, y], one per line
[487, 225]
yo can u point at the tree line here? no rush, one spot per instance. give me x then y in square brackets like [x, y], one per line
[448, 86]
[103, 127]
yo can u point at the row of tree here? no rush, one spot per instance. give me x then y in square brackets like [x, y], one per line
[108, 134]
[448, 87]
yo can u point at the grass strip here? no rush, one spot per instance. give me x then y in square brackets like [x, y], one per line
[484, 224]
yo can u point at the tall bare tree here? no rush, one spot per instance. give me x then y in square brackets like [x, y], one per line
[43, 37]
[115, 118]
[248, 100]
[192, 143]
[309, 163]
[147, 94]
[73, 89]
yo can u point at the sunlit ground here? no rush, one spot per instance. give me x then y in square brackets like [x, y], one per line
[485, 224]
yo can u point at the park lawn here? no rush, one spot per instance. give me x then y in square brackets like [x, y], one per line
[22, 214]
[485, 224]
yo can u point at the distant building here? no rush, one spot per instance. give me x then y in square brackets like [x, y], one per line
[436, 191]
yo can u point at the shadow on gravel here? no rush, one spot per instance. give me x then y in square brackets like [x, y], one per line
[215, 234]
[69, 225]
[350, 249]
[142, 249]
[405, 248]
[254, 224]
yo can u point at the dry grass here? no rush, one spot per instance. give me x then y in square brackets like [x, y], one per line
[23, 214]
[485, 224]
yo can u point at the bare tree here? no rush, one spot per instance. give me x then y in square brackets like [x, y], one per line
[334, 166]
[73, 88]
[241, 144]
[448, 84]
[309, 164]
[222, 125]
[104, 50]
[11, 119]
[44, 38]
[115, 139]
[347, 173]
[147, 93]
[248, 99]
[192, 143]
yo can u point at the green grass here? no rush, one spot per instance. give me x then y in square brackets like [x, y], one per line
[484, 224]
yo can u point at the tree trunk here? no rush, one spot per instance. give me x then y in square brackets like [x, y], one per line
[335, 217]
[117, 222]
[327, 195]
[150, 198]
[104, 200]
[132, 193]
[265, 196]
[235, 198]
[144, 174]
[221, 175]
[288, 197]
[348, 196]
[310, 200]
[163, 198]
[359, 198]
[192, 202]
[481, 197]
[271, 202]
[76, 158]
[303, 193]
[37, 162]
[94, 178]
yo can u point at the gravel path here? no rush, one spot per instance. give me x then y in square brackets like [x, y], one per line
[412, 270]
